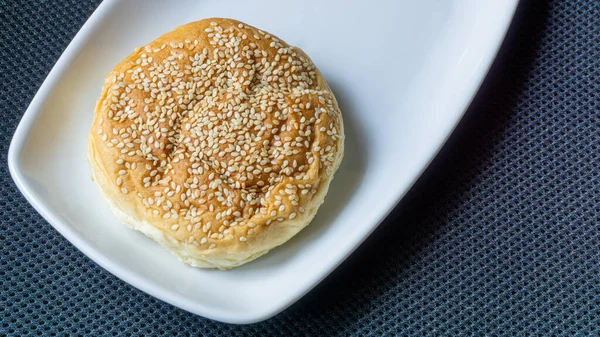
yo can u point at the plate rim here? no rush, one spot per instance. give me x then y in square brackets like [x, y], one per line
[73, 49]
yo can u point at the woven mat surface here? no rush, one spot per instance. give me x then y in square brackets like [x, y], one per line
[500, 237]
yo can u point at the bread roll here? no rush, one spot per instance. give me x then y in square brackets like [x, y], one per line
[217, 140]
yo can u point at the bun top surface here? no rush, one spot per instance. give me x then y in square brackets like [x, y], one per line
[216, 132]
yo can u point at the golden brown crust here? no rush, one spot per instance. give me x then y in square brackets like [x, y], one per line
[217, 140]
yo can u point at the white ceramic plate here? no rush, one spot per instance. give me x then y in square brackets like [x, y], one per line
[403, 71]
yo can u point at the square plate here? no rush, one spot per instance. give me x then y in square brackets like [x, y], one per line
[403, 71]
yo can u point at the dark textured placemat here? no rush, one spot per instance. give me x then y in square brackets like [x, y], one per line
[501, 236]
